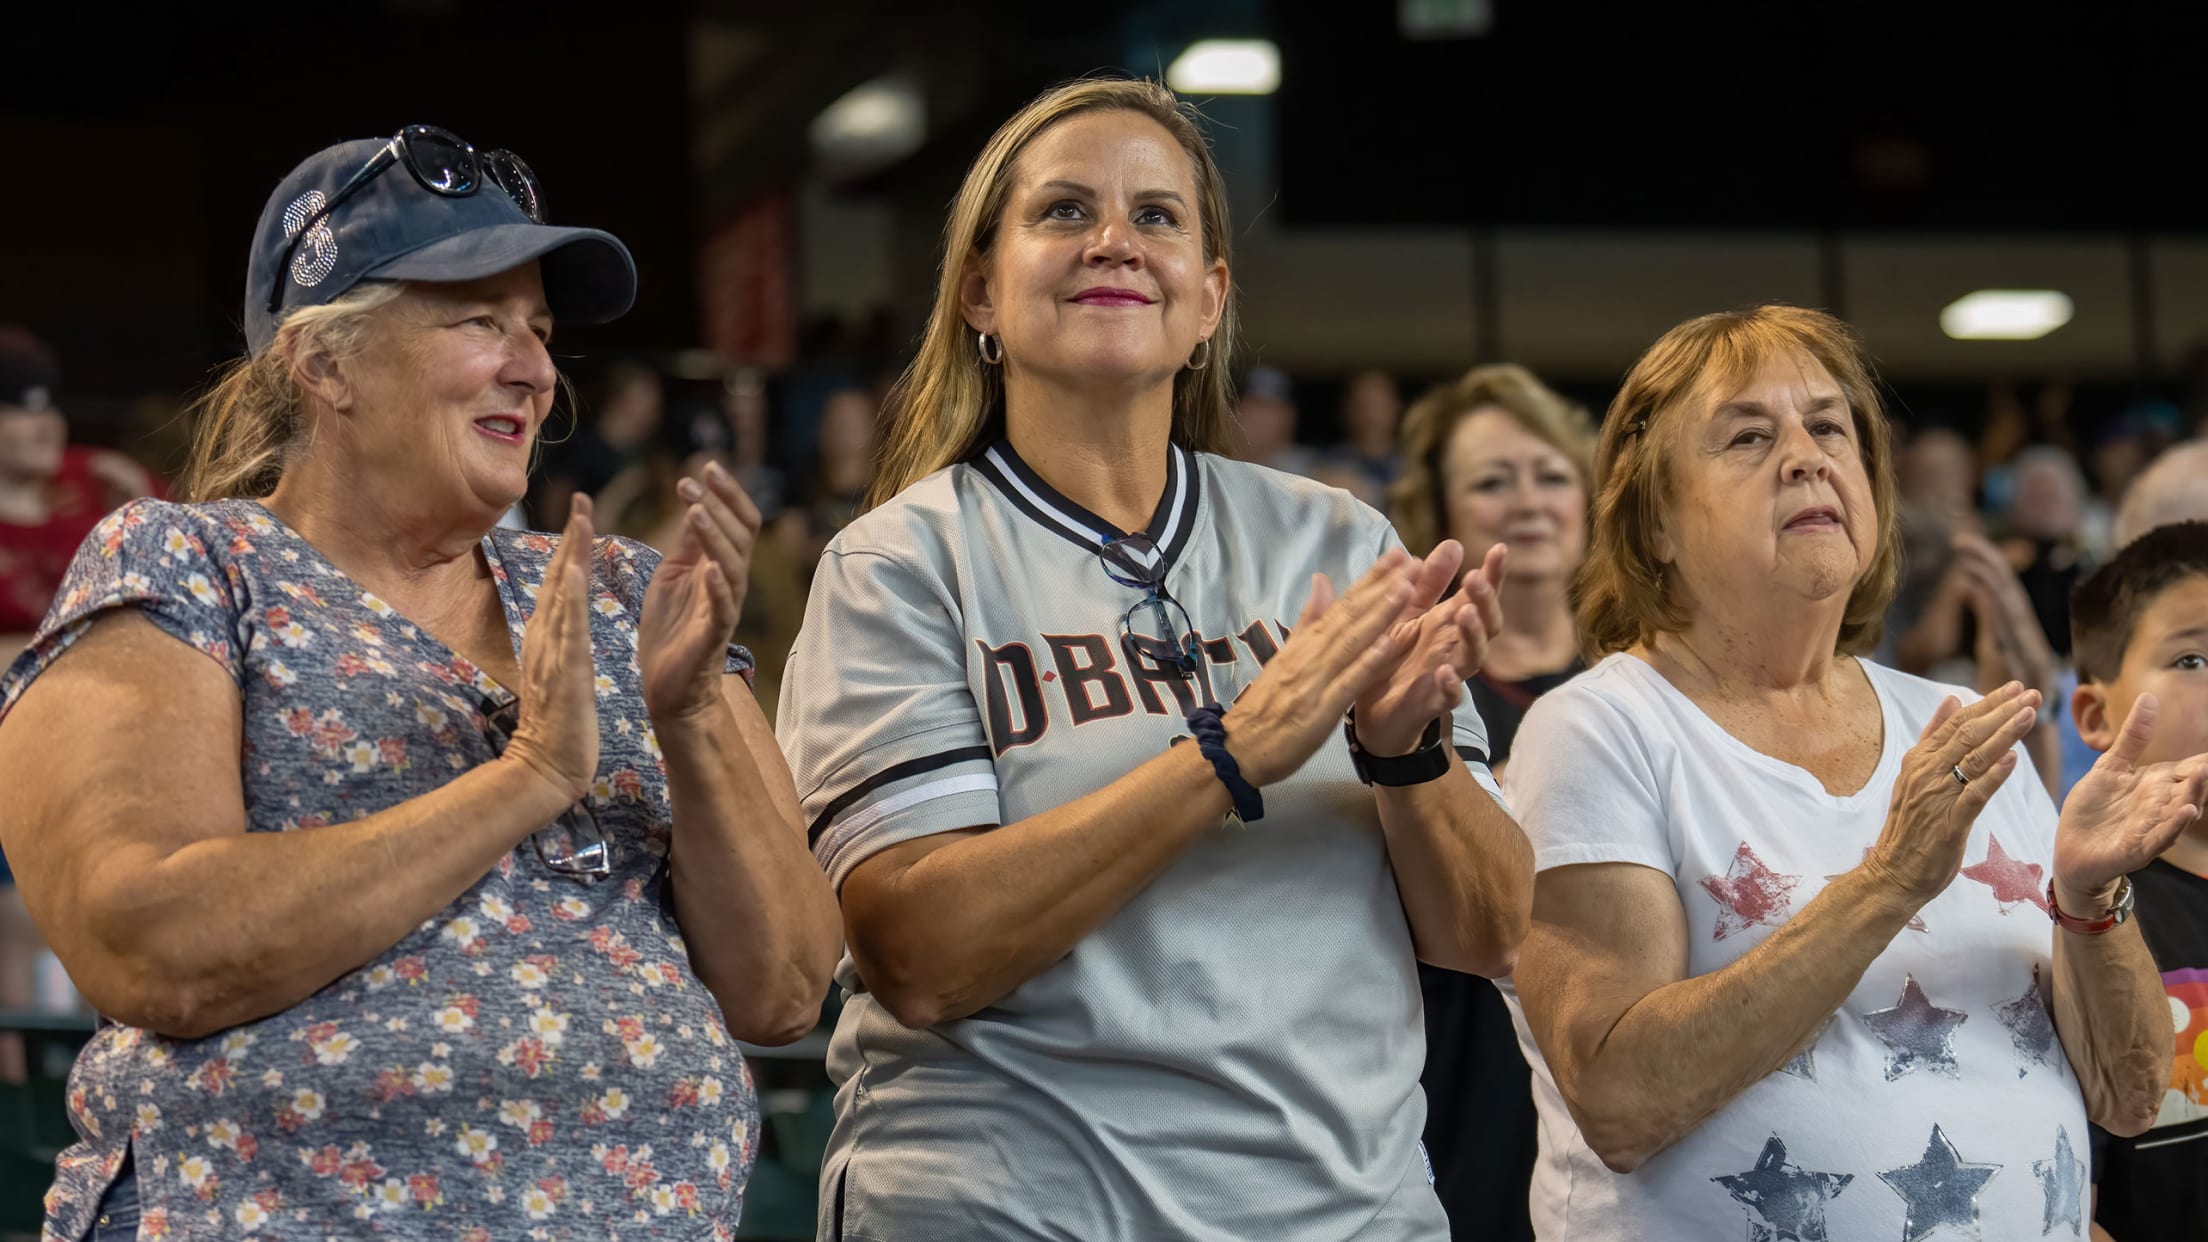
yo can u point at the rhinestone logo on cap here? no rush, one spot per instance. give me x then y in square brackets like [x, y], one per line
[317, 256]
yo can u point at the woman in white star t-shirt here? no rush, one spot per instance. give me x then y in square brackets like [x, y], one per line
[1791, 972]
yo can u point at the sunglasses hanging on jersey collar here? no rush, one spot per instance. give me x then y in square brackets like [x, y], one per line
[1133, 561]
[445, 164]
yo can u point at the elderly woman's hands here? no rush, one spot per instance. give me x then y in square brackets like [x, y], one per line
[2123, 814]
[1442, 644]
[696, 597]
[557, 736]
[1927, 827]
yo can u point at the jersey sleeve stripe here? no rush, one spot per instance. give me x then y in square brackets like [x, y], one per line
[905, 799]
[898, 772]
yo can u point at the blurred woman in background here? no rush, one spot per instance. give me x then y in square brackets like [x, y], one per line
[1495, 457]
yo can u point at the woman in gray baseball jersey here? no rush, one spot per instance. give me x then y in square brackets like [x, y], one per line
[1125, 964]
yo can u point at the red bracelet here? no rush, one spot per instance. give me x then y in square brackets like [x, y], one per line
[2118, 913]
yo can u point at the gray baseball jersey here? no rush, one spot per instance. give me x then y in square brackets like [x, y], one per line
[1235, 1054]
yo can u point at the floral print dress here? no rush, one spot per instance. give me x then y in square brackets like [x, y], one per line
[537, 1061]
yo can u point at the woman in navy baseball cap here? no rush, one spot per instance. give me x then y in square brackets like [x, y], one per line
[424, 869]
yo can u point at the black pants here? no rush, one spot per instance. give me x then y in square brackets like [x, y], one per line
[118, 1218]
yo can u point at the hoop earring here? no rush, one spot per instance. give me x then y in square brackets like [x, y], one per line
[983, 343]
[1196, 363]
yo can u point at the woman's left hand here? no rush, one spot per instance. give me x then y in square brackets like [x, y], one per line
[2124, 813]
[1443, 643]
[696, 597]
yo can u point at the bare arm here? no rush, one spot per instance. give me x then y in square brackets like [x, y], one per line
[1464, 870]
[2110, 1008]
[754, 907]
[948, 924]
[128, 837]
[945, 925]
[129, 834]
[2114, 1022]
[1462, 867]
[1643, 1054]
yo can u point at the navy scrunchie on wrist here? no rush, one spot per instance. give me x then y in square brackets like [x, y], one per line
[1211, 740]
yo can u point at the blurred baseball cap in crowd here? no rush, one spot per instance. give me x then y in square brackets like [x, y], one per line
[30, 378]
[1269, 382]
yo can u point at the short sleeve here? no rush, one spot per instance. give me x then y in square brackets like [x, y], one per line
[167, 561]
[627, 566]
[877, 717]
[1584, 785]
[1468, 733]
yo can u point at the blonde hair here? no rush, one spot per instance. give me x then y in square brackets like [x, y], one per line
[249, 420]
[1621, 595]
[1420, 497]
[948, 405]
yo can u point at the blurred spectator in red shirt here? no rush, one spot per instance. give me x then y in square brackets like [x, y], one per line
[51, 495]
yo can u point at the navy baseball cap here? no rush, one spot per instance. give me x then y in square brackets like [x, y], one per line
[394, 228]
[29, 376]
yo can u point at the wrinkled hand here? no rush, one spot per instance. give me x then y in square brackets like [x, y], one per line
[1920, 846]
[2011, 644]
[557, 735]
[1339, 648]
[2123, 814]
[1442, 643]
[696, 597]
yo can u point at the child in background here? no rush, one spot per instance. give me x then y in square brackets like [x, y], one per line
[2140, 626]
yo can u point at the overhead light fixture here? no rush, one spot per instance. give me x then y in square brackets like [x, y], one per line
[2006, 314]
[874, 125]
[1226, 67]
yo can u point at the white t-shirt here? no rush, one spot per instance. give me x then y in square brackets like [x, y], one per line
[1937, 1096]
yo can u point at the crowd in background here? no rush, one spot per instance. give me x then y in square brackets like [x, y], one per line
[2026, 503]
[1999, 523]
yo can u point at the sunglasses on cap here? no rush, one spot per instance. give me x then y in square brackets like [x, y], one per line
[443, 163]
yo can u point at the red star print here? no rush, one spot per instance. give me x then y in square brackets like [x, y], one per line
[2011, 879]
[1749, 893]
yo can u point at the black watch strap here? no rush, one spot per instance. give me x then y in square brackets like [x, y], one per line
[1430, 762]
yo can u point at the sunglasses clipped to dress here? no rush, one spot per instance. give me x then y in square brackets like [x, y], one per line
[445, 164]
[575, 844]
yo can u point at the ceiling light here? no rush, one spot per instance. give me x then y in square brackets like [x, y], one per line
[2006, 314]
[874, 125]
[1226, 67]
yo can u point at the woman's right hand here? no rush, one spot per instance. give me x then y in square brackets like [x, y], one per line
[1920, 848]
[1339, 648]
[558, 734]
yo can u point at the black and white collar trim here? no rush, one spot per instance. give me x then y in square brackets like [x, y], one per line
[1169, 527]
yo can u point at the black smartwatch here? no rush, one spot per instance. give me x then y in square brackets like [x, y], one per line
[1430, 762]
